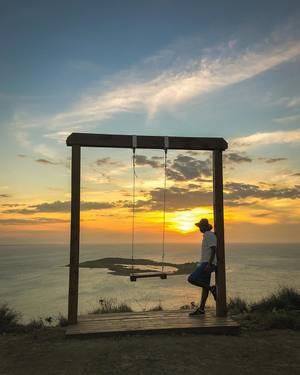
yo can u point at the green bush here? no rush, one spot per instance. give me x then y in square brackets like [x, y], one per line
[111, 306]
[286, 299]
[9, 318]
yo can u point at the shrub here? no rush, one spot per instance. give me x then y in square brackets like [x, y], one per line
[111, 306]
[282, 320]
[156, 308]
[35, 324]
[9, 318]
[192, 305]
[237, 306]
[286, 299]
[62, 320]
[271, 320]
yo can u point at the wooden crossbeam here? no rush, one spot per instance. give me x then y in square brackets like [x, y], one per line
[146, 141]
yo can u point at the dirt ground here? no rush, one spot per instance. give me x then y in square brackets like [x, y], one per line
[49, 352]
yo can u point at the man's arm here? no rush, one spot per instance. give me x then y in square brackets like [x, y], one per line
[211, 258]
[212, 255]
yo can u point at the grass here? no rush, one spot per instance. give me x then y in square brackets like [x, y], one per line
[111, 306]
[281, 310]
[287, 299]
[48, 352]
[10, 321]
[237, 306]
[9, 318]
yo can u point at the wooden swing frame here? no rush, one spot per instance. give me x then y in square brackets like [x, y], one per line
[78, 140]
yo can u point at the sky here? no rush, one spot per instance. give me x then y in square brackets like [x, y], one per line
[195, 68]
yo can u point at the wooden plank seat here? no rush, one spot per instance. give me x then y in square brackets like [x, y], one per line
[144, 275]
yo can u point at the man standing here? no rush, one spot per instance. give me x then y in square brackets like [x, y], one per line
[208, 262]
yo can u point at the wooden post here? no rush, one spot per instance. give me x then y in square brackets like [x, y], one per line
[75, 236]
[221, 306]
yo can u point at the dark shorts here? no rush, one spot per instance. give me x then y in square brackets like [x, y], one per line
[200, 275]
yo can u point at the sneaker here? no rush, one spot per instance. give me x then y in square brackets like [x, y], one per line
[213, 290]
[197, 312]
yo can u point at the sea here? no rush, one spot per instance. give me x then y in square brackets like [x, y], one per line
[34, 278]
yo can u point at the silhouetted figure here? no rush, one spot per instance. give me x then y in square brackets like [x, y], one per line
[208, 262]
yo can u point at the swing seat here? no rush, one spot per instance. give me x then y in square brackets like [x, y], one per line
[142, 275]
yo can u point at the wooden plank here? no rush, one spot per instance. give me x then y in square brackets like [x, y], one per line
[147, 142]
[221, 307]
[155, 322]
[143, 275]
[75, 236]
[144, 315]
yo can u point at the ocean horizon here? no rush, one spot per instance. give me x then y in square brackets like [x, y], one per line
[34, 277]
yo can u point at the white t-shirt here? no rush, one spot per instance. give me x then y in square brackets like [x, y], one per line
[209, 240]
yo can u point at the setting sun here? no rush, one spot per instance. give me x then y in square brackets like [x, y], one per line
[184, 221]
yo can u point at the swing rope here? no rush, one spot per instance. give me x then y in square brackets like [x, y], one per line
[164, 205]
[134, 144]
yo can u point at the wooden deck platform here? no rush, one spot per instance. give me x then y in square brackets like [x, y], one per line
[152, 322]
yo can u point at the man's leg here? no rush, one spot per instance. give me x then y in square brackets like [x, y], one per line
[204, 295]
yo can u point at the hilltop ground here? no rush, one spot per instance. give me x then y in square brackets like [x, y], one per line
[49, 352]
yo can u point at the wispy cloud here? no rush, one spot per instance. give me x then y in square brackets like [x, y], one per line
[267, 138]
[285, 119]
[59, 206]
[35, 221]
[169, 87]
[294, 102]
[275, 160]
[44, 161]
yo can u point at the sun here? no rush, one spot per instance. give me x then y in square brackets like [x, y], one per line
[184, 221]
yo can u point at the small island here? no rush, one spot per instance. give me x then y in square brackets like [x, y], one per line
[123, 266]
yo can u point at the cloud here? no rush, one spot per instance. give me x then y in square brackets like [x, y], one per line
[38, 220]
[60, 136]
[107, 161]
[235, 191]
[151, 90]
[234, 157]
[236, 203]
[188, 168]
[267, 138]
[296, 174]
[275, 160]
[60, 206]
[5, 196]
[154, 162]
[51, 162]
[22, 156]
[291, 118]
[11, 204]
[186, 198]
[176, 199]
[294, 102]
[45, 161]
